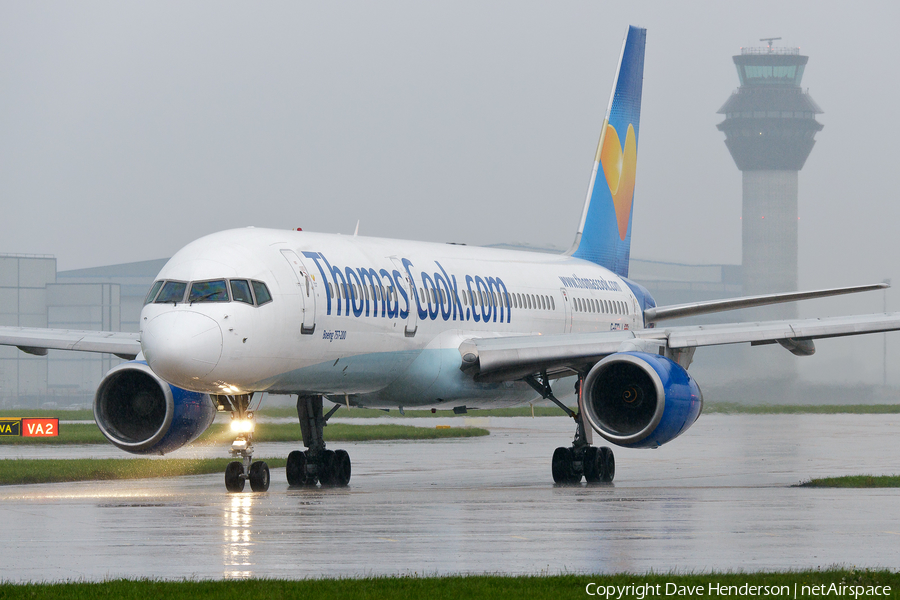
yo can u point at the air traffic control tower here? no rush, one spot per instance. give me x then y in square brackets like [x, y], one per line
[770, 125]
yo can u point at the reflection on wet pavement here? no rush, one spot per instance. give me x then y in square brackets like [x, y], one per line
[716, 498]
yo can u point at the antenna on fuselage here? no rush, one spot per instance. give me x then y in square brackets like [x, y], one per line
[356, 231]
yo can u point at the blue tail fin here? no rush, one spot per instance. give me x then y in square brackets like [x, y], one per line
[604, 235]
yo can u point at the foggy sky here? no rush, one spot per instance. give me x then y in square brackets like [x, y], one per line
[127, 130]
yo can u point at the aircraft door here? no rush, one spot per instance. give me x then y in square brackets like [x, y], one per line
[567, 311]
[307, 286]
[412, 321]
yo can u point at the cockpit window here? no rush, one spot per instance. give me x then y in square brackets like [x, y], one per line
[152, 293]
[240, 291]
[209, 291]
[172, 291]
[262, 292]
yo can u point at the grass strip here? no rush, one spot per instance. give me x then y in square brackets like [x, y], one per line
[89, 433]
[798, 409]
[552, 411]
[855, 481]
[22, 471]
[56, 413]
[486, 586]
[519, 411]
[374, 413]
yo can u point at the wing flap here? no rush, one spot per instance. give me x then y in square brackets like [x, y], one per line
[35, 340]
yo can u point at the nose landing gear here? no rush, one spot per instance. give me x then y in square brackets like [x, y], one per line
[239, 471]
[316, 464]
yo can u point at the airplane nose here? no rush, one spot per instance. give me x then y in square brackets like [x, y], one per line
[182, 346]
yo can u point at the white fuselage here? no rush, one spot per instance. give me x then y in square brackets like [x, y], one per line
[374, 320]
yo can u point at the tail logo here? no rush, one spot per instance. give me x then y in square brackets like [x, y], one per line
[619, 168]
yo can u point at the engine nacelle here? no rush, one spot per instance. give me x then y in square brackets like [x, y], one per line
[142, 414]
[640, 400]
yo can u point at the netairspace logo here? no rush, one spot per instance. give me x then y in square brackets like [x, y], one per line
[670, 590]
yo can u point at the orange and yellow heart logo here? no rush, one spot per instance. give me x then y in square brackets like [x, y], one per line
[619, 168]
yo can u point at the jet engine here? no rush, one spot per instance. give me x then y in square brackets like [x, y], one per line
[640, 400]
[142, 414]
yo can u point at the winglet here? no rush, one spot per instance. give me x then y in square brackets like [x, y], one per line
[604, 234]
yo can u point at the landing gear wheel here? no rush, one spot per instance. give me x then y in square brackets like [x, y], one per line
[341, 468]
[561, 465]
[259, 476]
[607, 464]
[326, 468]
[233, 480]
[592, 469]
[296, 468]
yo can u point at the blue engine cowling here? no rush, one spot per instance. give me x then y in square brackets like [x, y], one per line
[640, 400]
[142, 414]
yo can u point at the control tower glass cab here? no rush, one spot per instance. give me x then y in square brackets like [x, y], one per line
[770, 123]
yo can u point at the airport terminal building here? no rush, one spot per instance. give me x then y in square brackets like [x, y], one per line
[34, 294]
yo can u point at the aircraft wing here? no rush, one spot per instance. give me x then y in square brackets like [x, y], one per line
[677, 311]
[507, 358]
[37, 341]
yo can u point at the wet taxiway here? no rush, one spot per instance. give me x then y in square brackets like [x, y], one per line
[717, 498]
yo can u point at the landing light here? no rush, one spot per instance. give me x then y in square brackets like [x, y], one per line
[242, 425]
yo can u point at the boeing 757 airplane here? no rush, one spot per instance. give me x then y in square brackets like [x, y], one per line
[382, 323]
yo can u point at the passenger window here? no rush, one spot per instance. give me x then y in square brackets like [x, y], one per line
[153, 292]
[240, 291]
[209, 291]
[552, 303]
[172, 291]
[261, 292]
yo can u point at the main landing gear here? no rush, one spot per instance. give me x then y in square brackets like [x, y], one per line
[316, 464]
[239, 471]
[581, 459]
